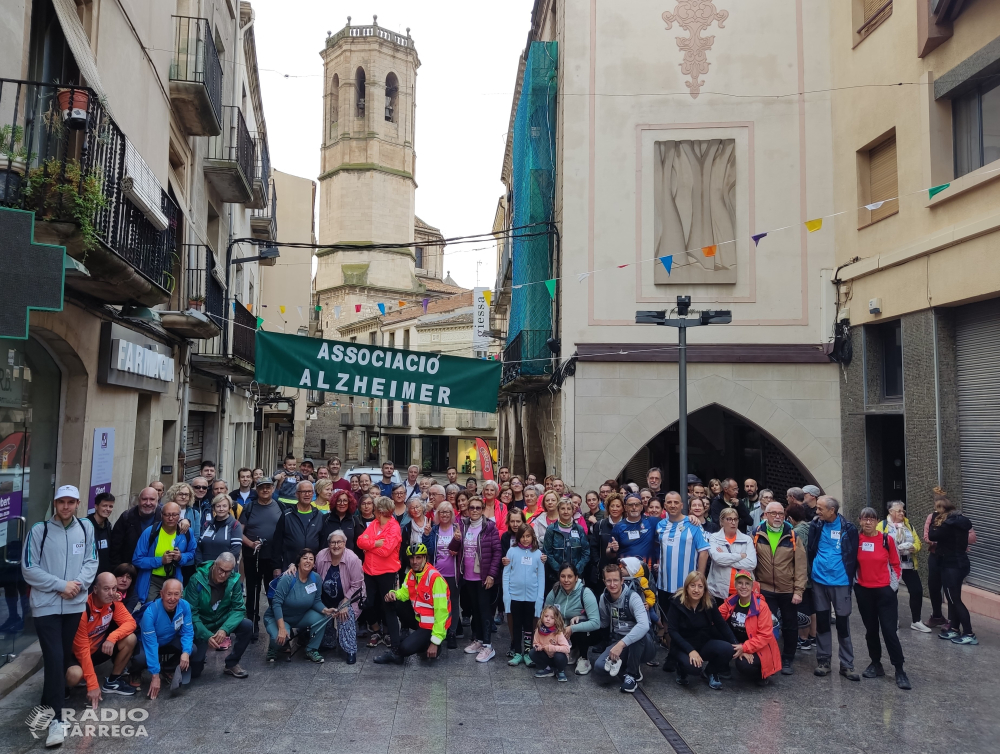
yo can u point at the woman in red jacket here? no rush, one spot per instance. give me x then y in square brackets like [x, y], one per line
[380, 543]
[758, 655]
[875, 591]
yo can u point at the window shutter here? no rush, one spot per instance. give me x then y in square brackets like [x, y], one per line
[872, 7]
[884, 179]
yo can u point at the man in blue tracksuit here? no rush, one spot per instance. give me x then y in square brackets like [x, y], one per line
[167, 629]
[635, 535]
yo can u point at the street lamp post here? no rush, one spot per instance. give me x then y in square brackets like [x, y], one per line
[682, 323]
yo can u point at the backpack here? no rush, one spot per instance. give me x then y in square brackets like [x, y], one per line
[45, 535]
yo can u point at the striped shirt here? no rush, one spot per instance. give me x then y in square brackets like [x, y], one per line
[680, 543]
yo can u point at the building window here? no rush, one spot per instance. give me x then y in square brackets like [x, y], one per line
[883, 180]
[334, 101]
[373, 338]
[976, 125]
[869, 15]
[420, 257]
[892, 360]
[391, 93]
[359, 86]
[406, 340]
[392, 340]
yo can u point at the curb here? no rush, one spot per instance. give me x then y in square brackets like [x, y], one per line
[19, 670]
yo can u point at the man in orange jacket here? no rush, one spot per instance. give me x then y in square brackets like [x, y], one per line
[106, 632]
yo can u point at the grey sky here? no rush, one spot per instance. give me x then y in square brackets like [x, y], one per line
[468, 54]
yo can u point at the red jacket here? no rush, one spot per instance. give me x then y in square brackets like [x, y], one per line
[384, 559]
[875, 556]
[94, 630]
[760, 632]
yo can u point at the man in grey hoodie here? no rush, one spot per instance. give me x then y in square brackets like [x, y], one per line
[623, 613]
[60, 563]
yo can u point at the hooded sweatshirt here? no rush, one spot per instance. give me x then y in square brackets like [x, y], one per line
[626, 617]
[580, 602]
[70, 554]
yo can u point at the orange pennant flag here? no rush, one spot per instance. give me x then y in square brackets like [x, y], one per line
[709, 251]
[402, 304]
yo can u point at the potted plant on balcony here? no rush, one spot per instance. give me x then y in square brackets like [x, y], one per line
[14, 159]
[74, 105]
[63, 192]
[196, 301]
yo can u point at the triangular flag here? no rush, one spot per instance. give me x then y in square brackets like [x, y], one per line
[357, 308]
[551, 285]
[250, 308]
[381, 309]
[234, 307]
[488, 297]
[813, 225]
[260, 322]
[622, 266]
[583, 276]
[319, 308]
[281, 309]
[336, 312]
[300, 311]
[709, 251]
[874, 206]
[932, 192]
[668, 262]
[756, 239]
[424, 303]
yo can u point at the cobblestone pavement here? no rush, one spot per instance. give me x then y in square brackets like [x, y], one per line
[456, 705]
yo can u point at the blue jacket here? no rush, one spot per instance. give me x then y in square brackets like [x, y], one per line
[145, 559]
[524, 578]
[159, 629]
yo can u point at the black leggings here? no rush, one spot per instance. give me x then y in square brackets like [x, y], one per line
[749, 670]
[257, 572]
[456, 611]
[376, 588]
[482, 614]
[419, 639]
[934, 584]
[715, 653]
[523, 621]
[915, 590]
[557, 661]
[879, 609]
[958, 613]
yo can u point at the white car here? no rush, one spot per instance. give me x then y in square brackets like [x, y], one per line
[375, 472]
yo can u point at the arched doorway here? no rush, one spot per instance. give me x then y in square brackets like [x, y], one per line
[721, 443]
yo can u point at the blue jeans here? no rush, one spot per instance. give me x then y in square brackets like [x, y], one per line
[310, 618]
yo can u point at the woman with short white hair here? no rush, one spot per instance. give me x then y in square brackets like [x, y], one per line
[343, 579]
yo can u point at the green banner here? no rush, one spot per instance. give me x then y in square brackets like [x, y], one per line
[377, 372]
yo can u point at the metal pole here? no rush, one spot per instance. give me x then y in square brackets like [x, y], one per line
[682, 399]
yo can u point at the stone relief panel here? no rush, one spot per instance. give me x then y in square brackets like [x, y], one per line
[694, 198]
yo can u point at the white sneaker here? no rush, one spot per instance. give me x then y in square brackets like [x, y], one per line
[57, 734]
[582, 666]
[919, 626]
[486, 654]
[475, 648]
[612, 666]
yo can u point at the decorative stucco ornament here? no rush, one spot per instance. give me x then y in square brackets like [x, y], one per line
[694, 17]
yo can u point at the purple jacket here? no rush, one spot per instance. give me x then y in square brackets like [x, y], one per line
[489, 550]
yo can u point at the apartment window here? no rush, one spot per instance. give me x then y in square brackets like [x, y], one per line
[392, 340]
[976, 125]
[373, 338]
[892, 359]
[883, 180]
[406, 340]
[869, 15]
[420, 257]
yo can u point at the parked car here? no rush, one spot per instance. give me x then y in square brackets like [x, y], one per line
[375, 472]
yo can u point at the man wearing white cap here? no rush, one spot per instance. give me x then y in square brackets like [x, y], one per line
[60, 563]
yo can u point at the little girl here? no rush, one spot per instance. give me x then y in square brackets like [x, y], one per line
[523, 590]
[550, 647]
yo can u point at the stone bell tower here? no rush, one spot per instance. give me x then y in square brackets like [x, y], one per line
[367, 180]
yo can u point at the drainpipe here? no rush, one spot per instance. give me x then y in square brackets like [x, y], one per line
[185, 363]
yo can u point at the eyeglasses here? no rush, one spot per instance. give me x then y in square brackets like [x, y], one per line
[224, 571]
[200, 486]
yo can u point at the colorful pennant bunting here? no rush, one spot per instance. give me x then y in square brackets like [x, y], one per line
[668, 262]
[709, 251]
[756, 238]
[357, 308]
[934, 191]
[813, 225]
[488, 297]
[424, 304]
[551, 286]
[874, 206]
[381, 309]
[582, 276]
[336, 312]
[281, 309]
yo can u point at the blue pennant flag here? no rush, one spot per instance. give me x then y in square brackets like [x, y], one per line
[381, 309]
[668, 262]
[756, 239]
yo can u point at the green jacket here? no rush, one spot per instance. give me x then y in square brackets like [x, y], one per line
[227, 615]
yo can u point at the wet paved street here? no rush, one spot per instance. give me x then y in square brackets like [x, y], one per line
[457, 705]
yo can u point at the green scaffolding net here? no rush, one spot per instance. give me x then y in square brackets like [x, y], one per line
[533, 168]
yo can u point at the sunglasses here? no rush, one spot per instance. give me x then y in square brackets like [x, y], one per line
[200, 486]
[475, 507]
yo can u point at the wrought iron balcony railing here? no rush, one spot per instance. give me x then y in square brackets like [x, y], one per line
[196, 77]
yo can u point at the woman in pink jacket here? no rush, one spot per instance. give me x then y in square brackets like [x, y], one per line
[549, 646]
[380, 543]
[343, 579]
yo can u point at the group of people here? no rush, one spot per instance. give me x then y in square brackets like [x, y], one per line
[598, 581]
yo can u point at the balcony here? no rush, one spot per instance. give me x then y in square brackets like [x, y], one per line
[527, 361]
[231, 160]
[65, 159]
[201, 303]
[315, 397]
[231, 354]
[430, 418]
[397, 418]
[196, 77]
[262, 175]
[264, 222]
[475, 420]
